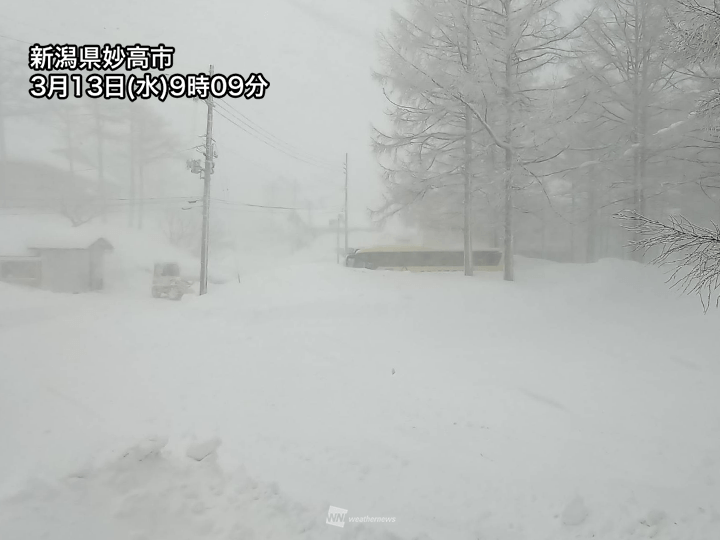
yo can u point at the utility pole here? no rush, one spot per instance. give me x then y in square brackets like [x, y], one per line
[346, 204]
[209, 153]
[337, 239]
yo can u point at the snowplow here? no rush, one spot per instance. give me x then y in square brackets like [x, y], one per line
[167, 282]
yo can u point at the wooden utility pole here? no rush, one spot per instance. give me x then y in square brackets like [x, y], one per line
[209, 156]
[346, 204]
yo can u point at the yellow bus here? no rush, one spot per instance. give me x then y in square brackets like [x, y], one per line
[421, 259]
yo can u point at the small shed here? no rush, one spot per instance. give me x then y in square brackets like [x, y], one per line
[71, 264]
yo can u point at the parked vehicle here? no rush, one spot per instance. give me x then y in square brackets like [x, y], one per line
[167, 282]
[420, 259]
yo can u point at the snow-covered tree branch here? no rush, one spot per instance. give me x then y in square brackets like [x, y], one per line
[692, 251]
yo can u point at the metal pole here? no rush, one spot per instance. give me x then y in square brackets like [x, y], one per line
[206, 194]
[346, 204]
[337, 240]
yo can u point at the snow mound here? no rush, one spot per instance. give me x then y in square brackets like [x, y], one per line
[149, 494]
[575, 513]
[201, 450]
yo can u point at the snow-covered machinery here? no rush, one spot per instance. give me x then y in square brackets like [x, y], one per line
[168, 283]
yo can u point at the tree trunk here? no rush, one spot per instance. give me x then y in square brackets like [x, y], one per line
[140, 169]
[467, 201]
[131, 195]
[141, 196]
[3, 155]
[99, 133]
[492, 210]
[71, 166]
[543, 240]
[3, 160]
[638, 135]
[591, 252]
[572, 221]
[509, 272]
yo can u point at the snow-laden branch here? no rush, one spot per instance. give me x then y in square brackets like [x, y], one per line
[693, 251]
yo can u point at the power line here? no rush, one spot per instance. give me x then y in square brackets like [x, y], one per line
[270, 207]
[113, 208]
[15, 39]
[266, 140]
[268, 143]
[120, 201]
[252, 125]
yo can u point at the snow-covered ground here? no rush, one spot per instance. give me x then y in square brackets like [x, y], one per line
[579, 402]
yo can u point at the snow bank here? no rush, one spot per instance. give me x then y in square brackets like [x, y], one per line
[579, 402]
[149, 494]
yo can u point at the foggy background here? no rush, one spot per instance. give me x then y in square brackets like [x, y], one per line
[564, 392]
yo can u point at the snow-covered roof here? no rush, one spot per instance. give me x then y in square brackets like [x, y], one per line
[132, 248]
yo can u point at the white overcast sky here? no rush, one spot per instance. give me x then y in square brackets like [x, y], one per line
[317, 54]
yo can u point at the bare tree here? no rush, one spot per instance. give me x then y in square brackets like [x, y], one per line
[14, 101]
[150, 141]
[692, 251]
[106, 122]
[431, 144]
[182, 227]
[636, 88]
[516, 40]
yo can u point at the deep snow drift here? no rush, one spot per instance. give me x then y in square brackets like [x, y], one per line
[150, 494]
[579, 402]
